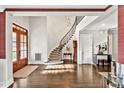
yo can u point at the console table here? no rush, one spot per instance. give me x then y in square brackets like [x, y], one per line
[103, 58]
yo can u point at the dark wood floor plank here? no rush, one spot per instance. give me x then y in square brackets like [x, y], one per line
[83, 76]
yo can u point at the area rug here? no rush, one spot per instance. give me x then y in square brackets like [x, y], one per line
[25, 72]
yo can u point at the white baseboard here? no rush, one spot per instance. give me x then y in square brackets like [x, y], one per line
[36, 62]
[53, 62]
[1, 84]
[7, 83]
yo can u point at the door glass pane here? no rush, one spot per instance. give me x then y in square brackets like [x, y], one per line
[21, 38]
[24, 38]
[25, 47]
[14, 56]
[13, 36]
[25, 54]
[21, 46]
[21, 54]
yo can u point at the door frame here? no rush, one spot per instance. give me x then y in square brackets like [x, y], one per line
[20, 63]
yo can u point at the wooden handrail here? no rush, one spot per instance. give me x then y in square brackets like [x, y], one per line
[71, 29]
[68, 31]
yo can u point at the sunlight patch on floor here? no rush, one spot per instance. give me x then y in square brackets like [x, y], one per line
[55, 69]
[65, 66]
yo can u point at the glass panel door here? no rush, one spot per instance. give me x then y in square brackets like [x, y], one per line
[19, 43]
[23, 46]
[19, 47]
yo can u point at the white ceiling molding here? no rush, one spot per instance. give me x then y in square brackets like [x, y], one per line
[56, 13]
[56, 6]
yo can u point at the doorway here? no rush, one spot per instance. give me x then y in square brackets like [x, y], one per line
[86, 54]
[19, 47]
[75, 51]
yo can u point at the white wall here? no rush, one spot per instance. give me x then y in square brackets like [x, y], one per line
[22, 21]
[57, 28]
[6, 65]
[37, 38]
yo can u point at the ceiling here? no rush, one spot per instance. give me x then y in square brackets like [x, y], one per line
[109, 21]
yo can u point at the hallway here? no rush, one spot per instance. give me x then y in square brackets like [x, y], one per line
[74, 76]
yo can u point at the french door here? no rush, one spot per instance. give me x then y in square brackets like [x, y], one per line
[19, 47]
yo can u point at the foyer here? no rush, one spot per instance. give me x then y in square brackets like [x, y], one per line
[71, 45]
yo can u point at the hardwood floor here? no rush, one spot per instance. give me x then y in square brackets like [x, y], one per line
[73, 76]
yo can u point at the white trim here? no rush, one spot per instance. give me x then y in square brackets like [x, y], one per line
[79, 63]
[7, 83]
[53, 62]
[36, 62]
[1, 84]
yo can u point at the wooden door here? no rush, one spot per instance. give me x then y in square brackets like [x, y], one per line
[19, 47]
[75, 52]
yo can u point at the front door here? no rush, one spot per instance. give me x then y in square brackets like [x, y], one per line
[19, 47]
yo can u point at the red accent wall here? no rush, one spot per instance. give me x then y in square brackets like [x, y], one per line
[121, 33]
[2, 35]
[59, 9]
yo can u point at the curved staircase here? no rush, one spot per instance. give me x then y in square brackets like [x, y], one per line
[56, 53]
